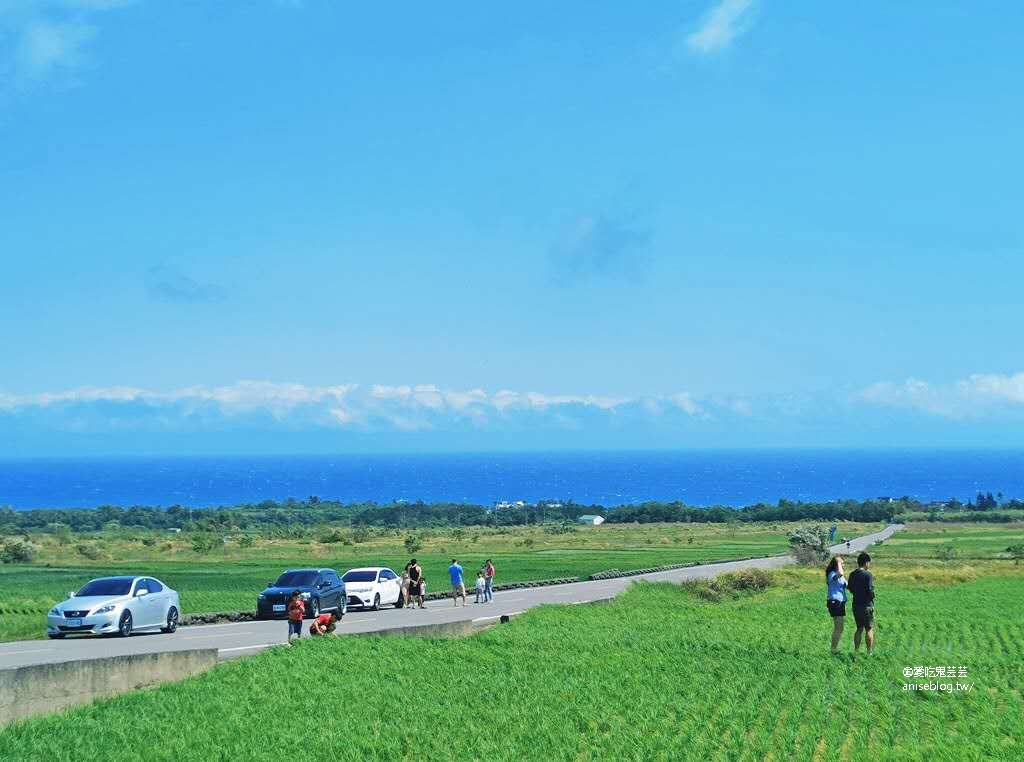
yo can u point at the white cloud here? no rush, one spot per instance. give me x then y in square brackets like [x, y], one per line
[685, 402]
[722, 24]
[402, 407]
[978, 394]
[47, 46]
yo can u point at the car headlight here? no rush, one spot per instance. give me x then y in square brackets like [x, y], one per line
[105, 609]
[55, 612]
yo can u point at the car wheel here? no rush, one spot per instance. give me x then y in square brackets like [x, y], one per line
[172, 621]
[124, 628]
[55, 635]
[398, 601]
[314, 607]
[376, 602]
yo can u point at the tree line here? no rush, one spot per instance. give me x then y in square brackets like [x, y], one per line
[406, 515]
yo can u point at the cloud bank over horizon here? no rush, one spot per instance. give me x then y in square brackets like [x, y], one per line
[263, 415]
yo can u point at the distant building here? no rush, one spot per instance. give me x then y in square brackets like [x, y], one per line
[176, 530]
[593, 521]
[505, 505]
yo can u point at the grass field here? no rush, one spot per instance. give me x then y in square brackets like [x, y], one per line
[969, 541]
[657, 675]
[229, 578]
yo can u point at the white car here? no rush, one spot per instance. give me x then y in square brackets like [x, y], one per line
[373, 587]
[116, 604]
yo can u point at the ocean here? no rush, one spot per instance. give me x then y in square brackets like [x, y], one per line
[727, 477]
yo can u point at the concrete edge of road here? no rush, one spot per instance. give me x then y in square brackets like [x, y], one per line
[461, 627]
[46, 688]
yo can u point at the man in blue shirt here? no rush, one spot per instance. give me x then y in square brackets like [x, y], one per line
[458, 587]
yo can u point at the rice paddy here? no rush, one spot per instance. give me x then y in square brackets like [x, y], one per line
[659, 674]
[230, 577]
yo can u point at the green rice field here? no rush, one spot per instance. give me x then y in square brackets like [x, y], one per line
[970, 542]
[659, 674]
[229, 578]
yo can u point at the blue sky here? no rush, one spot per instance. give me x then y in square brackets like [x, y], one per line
[272, 226]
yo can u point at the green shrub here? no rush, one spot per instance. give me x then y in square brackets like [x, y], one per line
[332, 537]
[204, 543]
[1016, 552]
[18, 552]
[92, 552]
[947, 553]
[732, 585]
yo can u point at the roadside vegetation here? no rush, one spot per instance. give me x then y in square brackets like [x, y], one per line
[663, 672]
[224, 572]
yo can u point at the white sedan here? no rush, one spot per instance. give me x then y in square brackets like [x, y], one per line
[373, 587]
[116, 604]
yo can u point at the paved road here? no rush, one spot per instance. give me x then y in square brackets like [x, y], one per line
[238, 639]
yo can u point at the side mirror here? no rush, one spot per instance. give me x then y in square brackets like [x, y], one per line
[72, 593]
[270, 584]
[141, 592]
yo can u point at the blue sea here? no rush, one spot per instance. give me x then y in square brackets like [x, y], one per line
[732, 478]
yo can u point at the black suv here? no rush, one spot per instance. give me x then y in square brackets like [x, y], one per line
[322, 589]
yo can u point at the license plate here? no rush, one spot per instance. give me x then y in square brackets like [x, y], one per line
[74, 623]
[278, 607]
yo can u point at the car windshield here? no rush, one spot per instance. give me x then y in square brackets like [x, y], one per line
[296, 579]
[107, 586]
[360, 576]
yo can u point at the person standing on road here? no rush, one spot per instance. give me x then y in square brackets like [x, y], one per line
[415, 582]
[862, 586]
[296, 613]
[405, 587]
[489, 580]
[836, 600]
[481, 588]
[458, 586]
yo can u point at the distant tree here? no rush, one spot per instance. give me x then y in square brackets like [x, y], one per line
[412, 544]
[62, 533]
[947, 553]
[809, 544]
[246, 541]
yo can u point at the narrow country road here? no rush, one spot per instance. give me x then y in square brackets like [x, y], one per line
[242, 638]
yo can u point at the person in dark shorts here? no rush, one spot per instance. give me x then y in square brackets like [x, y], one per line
[862, 587]
[415, 583]
[296, 613]
[836, 600]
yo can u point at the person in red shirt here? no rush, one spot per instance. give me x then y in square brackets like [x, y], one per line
[296, 613]
[324, 624]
